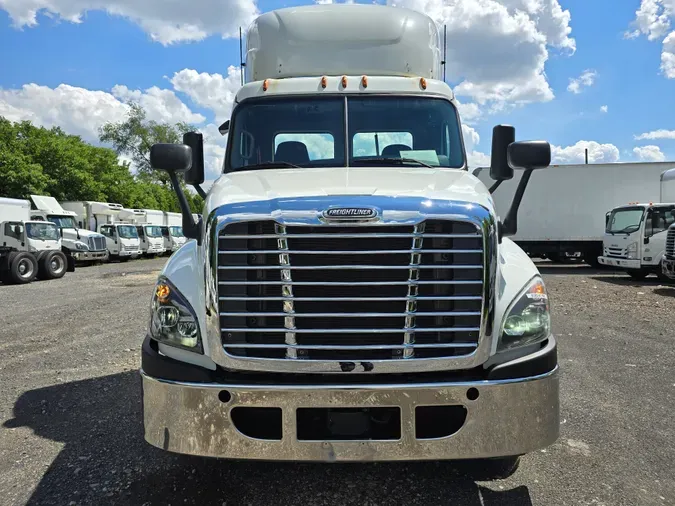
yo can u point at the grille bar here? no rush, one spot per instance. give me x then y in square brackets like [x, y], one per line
[353, 236]
[342, 267]
[353, 331]
[352, 347]
[351, 315]
[356, 252]
[357, 299]
[350, 283]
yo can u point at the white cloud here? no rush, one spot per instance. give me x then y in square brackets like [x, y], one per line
[160, 105]
[656, 134]
[166, 21]
[604, 108]
[597, 153]
[654, 19]
[649, 154]
[497, 49]
[212, 91]
[469, 111]
[586, 79]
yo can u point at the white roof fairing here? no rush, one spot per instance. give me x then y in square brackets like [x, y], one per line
[350, 39]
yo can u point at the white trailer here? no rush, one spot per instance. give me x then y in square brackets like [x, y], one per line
[91, 215]
[148, 224]
[565, 208]
[29, 248]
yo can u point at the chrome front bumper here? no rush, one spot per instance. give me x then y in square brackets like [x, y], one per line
[85, 256]
[509, 417]
[668, 267]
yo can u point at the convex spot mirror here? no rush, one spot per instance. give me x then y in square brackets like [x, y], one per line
[171, 157]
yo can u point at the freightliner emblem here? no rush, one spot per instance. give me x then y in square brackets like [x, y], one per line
[350, 213]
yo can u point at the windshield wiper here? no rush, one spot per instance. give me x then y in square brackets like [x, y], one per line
[270, 165]
[399, 161]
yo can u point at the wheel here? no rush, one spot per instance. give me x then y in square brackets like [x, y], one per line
[124, 259]
[23, 267]
[493, 469]
[637, 274]
[52, 265]
[592, 261]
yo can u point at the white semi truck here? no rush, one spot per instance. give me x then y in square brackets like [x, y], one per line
[121, 239]
[29, 248]
[173, 232]
[148, 223]
[636, 233]
[563, 213]
[82, 244]
[351, 294]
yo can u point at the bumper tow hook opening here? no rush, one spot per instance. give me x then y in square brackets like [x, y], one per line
[432, 422]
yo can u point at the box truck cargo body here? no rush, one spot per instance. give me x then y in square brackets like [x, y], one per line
[565, 208]
[148, 224]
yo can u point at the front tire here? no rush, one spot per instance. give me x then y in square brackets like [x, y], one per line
[23, 267]
[638, 274]
[52, 265]
[494, 469]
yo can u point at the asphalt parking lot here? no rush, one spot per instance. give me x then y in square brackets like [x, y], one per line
[71, 427]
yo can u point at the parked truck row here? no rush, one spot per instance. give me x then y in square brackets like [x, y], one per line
[43, 238]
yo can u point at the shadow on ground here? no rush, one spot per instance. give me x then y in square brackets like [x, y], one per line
[106, 461]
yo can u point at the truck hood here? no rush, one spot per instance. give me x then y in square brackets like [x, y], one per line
[70, 233]
[267, 184]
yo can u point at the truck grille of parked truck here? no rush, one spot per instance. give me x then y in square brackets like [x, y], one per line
[346, 292]
[668, 264]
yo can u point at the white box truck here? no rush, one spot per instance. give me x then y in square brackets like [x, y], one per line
[173, 232]
[149, 223]
[565, 208]
[29, 248]
[83, 245]
[636, 233]
[347, 299]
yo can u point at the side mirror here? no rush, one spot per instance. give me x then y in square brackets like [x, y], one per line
[502, 137]
[224, 128]
[196, 173]
[171, 157]
[529, 155]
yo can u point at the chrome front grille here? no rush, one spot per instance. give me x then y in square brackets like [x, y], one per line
[617, 252]
[350, 292]
[670, 243]
[97, 243]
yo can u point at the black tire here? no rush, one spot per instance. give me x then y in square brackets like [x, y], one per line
[592, 260]
[638, 274]
[554, 257]
[124, 259]
[493, 469]
[23, 267]
[52, 265]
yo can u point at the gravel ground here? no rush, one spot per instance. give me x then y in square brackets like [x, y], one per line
[71, 427]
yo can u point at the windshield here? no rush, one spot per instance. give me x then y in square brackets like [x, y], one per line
[62, 221]
[310, 132]
[153, 231]
[176, 231]
[625, 220]
[44, 231]
[127, 232]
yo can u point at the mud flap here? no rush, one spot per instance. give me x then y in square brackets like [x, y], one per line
[71, 263]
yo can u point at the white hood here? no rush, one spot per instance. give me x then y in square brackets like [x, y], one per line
[267, 184]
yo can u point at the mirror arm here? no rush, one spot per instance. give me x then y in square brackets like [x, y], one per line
[510, 225]
[200, 191]
[495, 186]
[191, 230]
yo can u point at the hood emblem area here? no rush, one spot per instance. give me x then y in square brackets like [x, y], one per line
[351, 214]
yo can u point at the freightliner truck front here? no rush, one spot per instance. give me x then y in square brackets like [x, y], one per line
[351, 294]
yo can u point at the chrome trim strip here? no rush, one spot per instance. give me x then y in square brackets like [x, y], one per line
[352, 331]
[351, 346]
[400, 210]
[350, 315]
[346, 267]
[352, 252]
[356, 283]
[349, 236]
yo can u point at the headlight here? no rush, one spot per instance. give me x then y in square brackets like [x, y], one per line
[528, 319]
[81, 246]
[172, 320]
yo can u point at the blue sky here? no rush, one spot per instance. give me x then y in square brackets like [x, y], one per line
[118, 50]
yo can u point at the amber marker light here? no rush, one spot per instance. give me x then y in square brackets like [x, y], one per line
[324, 82]
[265, 84]
[423, 83]
[162, 292]
[344, 81]
[364, 81]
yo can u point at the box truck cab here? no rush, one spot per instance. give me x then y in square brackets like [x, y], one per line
[122, 241]
[148, 224]
[28, 248]
[636, 233]
[84, 245]
[173, 232]
[351, 293]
